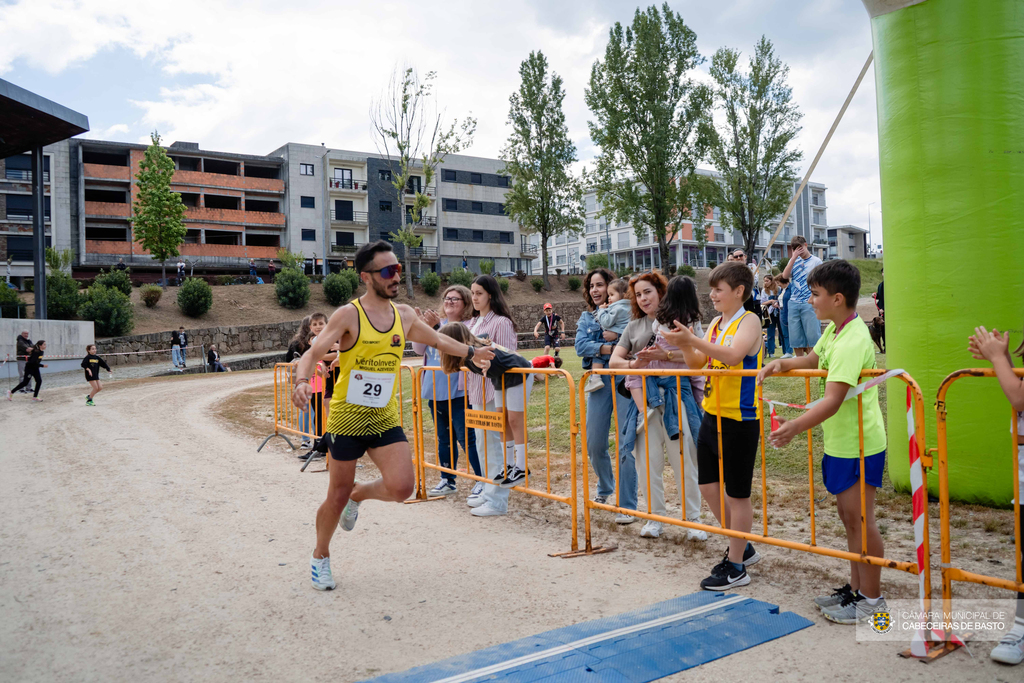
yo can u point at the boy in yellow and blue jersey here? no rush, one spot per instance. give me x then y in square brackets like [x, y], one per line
[845, 350]
[733, 341]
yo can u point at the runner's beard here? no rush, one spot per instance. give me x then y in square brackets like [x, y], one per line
[383, 291]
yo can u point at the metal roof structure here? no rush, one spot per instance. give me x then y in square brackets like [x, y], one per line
[28, 121]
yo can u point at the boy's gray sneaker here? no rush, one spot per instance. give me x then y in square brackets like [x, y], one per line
[444, 488]
[833, 599]
[853, 609]
[349, 516]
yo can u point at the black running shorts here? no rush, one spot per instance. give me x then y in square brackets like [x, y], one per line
[550, 340]
[353, 447]
[740, 439]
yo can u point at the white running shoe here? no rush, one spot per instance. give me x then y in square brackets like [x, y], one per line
[475, 501]
[786, 356]
[651, 530]
[37, 399]
[593, 384]
[1010, 649]
[444, 488]
[696, 534]
[9, 395]
[624, 519]
[349, 516]
[488, 510]
[321, 570]
[478, 488]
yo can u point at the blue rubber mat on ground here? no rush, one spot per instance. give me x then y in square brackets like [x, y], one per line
[633, 647]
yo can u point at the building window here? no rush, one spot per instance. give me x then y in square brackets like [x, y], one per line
[478, 207]
[591, 203]
[501, 209]
[385, 206]
[478, 235]
[852, 248]
[592, 247]
[560, 258]
[305, 169]
[309, 235]
[449, 176]
[451, 234]
[505, 237]
[476, 178]
[451, 204]
[308, 202]
[384, 174]
[503, 181]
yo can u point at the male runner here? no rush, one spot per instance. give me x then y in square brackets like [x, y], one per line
[364, 415]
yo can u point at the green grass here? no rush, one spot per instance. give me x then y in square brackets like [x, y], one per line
[870, 275]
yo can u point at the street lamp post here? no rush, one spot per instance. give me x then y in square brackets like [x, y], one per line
[870, 241]
[323, 214]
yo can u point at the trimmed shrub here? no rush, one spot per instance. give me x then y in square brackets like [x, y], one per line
[115, 279]
[574, 283]
[225, 279]
[597, 261]
[537, 284]
[521, 275]
[292, 288]
[110, 309]
[337, 289]
[431, 282]
[62, 297]
[150, 294]
[783, 262]
[558, 271]
[486, 267]
[461, 277]
[623, 272]
[686, 269]
[503, 283]
[352, 277]
[11, 305]
[195, 297]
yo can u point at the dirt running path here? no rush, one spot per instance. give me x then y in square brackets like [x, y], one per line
[144, 541]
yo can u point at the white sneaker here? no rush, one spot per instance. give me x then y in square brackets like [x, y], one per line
[9, 395]
[349, 516]
[475, 501]
[444, 488]
[624, 519]
[487, 510]
[478, 488]
[594, 384]
[651, 530]
[1010, 649]
[696, 534]
[785, 356]
[642, 422]
[321, 569]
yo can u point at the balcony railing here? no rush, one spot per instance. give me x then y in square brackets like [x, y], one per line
[528, 249]
[429, 190]
[430, 221]
[353, 217]
[423, 252]
[354, 184]
[23, 176]
[345, 248]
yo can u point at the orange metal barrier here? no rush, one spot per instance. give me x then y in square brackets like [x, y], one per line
[714, 376]
[949, 572]
[495, 421]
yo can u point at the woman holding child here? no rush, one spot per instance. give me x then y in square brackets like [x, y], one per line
[643, 346]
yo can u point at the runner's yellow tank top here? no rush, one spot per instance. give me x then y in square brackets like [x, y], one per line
[364, 400]
[740, 395]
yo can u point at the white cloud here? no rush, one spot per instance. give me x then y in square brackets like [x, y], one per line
[264, 73]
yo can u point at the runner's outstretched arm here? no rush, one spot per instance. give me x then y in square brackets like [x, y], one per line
[420, 332]
[340, 321]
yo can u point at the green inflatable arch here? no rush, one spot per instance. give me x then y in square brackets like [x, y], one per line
[949, 77]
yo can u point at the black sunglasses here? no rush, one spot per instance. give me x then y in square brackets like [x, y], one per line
[387, 272]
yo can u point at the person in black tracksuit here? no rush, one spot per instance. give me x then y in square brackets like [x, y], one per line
[32, 365]
[92, 364]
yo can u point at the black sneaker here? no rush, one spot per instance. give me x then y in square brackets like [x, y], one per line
[725, 576]
[750, 556]
[515, 477]
[500, 476]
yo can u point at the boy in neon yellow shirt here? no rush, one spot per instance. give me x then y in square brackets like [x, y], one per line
[844, 350]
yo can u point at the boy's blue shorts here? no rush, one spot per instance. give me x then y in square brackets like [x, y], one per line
[840, 474]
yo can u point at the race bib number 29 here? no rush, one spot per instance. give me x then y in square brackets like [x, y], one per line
[370, 389]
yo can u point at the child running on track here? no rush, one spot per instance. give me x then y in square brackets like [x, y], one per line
[365, 415]
[554, 328]
[513, 401]
[92, 364]
[845, 350]
[995, 348]
[613, 318]
[32, 366]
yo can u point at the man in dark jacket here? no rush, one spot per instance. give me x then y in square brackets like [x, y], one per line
[24, 345]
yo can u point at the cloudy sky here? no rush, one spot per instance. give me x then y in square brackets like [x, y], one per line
[248, 76]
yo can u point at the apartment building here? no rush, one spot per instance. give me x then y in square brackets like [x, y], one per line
[847, 242]
[604, 236]
[234, 206]
[16, 208]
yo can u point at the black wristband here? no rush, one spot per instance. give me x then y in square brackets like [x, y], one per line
[471, 353]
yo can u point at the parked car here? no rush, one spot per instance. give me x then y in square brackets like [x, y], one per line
[505, 273]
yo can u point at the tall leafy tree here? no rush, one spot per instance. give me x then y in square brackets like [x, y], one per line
[546, 197]
[413, 138]
[647, 108]
[752, 143]
[157, 214]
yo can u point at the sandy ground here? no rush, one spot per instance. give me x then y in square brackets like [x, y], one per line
[145, 540]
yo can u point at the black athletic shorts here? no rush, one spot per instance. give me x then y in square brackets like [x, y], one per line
[353, 447]
[740, 439]
[551, 340]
